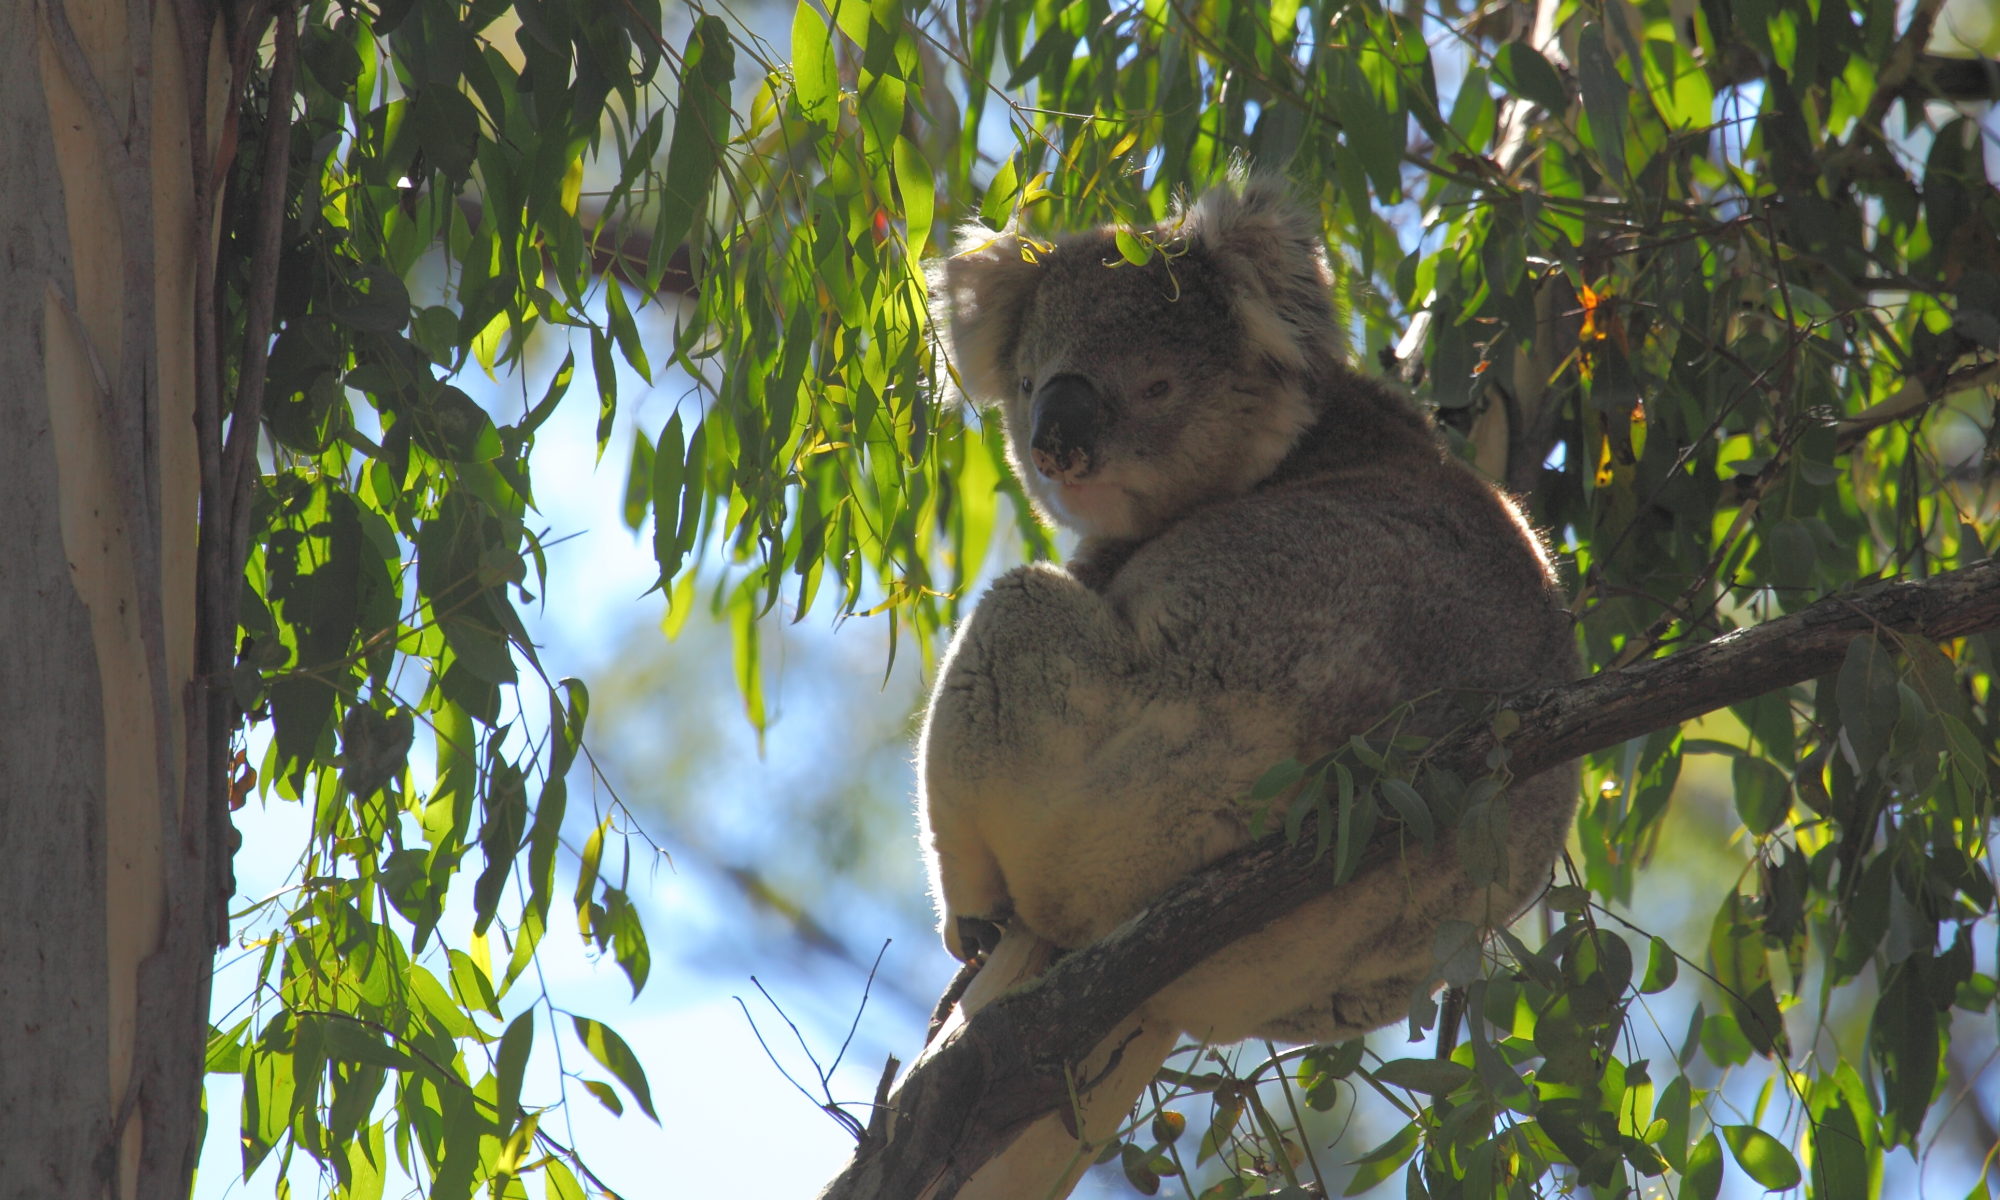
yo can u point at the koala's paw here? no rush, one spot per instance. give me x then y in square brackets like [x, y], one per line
[969, 938]
[977, 936]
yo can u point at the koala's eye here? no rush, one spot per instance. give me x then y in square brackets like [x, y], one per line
[1027, 385]
[1156, 389]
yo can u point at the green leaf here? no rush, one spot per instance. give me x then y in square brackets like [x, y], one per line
[670, 541]
[1436, 1077]
[1522, 70]
[1662, 967]
[586, 872]
[1001, 194]
[1763, 794]
[917, 189]
[559, 1183]
[639, 480]
[1384, 1160]
[526, 939]
[557, 389]
[815, 83]
[367, 1163]
[1481, 839]
[226, 1051]
[1228, 1111]
[1703, 1178]
[1762, 1157]
[1604, 92]
[1137, 1165]
[628, 938]
[1723, 1041]
[269, 1096]
[1410, 808]
[464, 1129]
[1905, 1046]
[1846, 1155]
[1567, 898]
[1310, 803]
[1278, 778]
[1743, 970]
[606, 374]
[616, 1057]
[701, 128]
[436, 1004]
[373, 301]
[447, 129]
[1869, 701]
[1672, 1111]
[624, 329]
[510, 1065]
[1354, 824]
[470, 985]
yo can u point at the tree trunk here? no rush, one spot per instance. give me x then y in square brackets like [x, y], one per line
[113, 802]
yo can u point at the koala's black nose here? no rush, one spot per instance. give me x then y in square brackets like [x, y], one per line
[1069, 415]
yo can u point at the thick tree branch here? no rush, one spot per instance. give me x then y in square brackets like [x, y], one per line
[972, 1094]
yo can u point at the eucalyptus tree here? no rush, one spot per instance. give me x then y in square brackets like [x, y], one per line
[1714, 288]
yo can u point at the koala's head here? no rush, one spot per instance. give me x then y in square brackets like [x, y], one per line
[1134, 393]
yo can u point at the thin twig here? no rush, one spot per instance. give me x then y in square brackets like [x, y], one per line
[262, 292]
[860, 1008]
[1298, 1122]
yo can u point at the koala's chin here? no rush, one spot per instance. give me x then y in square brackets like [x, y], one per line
[1095, 508]
[1126, 502]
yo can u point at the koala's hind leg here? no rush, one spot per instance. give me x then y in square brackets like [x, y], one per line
[1037, 678]
[966, 882]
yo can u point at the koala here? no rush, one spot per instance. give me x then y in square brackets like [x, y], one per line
[1275, 553]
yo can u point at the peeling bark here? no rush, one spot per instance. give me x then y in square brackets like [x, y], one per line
[109, 838]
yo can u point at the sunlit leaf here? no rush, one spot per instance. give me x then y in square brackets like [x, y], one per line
[616, 1057]
[1762, 1157]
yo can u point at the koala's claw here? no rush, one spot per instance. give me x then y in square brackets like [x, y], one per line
[977, 936]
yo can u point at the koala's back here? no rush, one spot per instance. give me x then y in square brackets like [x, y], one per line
[1371, 571]
[1361, 576]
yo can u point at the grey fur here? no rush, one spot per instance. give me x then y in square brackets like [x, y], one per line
[1276, 553]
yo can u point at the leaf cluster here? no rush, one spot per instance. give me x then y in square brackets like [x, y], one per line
[1714, 290]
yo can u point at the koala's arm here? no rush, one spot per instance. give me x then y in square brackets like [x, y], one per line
[1036, 679]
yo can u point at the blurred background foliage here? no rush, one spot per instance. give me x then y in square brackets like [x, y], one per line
[1714, 287]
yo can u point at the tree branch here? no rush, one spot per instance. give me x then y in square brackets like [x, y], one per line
[973, 1092]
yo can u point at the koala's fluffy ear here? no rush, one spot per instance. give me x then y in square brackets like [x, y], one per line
[1271, 251]
[979, 297]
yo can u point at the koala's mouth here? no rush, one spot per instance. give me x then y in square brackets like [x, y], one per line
[1096, 506]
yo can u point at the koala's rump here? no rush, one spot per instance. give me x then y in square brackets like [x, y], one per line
[1354, 959]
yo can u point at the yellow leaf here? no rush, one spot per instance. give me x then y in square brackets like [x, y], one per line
[572, 185]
